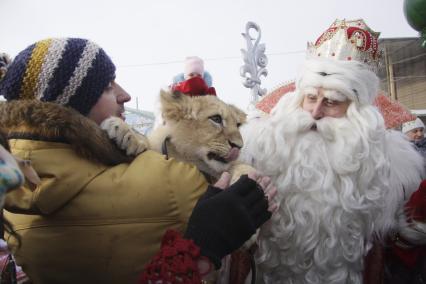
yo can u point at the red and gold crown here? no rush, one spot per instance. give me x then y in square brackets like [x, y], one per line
[348, 40]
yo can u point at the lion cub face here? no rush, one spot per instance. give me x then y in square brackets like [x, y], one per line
[203, 130]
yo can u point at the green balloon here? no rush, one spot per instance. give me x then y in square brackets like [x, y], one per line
[415, 13]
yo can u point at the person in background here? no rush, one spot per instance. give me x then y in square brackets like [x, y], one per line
[194, 67]
[414, 130]
[194, 81]
[4, 62]
[11, 177]
[97, 216]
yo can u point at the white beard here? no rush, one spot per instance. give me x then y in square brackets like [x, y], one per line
[333, 192]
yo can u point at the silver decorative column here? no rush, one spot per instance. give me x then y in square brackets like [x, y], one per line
[255, 62]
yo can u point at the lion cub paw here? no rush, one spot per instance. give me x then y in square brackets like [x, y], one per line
[124, 136]
[238, 169]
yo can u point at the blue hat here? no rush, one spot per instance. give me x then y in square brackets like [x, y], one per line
[72, 72]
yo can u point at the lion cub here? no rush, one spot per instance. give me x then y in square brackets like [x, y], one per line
[201, 130]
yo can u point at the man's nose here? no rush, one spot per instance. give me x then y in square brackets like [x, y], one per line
[123, 96]
[317, 111]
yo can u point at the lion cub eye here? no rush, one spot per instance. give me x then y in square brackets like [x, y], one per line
[216, 118]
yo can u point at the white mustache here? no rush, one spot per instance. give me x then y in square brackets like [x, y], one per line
[325, 127]
[300, 121]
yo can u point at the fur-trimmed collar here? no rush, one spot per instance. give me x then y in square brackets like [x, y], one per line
[52, 122]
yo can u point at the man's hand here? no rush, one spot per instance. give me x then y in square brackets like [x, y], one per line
[223, 219]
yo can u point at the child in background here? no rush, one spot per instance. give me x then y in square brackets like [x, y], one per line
[194, 66]
[194, 81]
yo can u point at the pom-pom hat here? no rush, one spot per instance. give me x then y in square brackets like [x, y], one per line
[72, 72]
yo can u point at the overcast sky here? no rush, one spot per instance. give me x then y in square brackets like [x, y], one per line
[148, 40]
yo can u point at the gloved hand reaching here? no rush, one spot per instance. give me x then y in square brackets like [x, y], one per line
[223, 220]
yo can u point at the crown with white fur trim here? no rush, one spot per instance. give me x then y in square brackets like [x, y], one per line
[344, 58]
[410, 125]
[348, 40]
[350, 78]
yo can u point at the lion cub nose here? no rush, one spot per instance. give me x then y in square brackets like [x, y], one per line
[233, 145]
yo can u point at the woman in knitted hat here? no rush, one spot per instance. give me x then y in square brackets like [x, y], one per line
[414, 130]
[97, 216]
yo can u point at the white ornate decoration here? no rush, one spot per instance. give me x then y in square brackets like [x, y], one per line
[255, 62]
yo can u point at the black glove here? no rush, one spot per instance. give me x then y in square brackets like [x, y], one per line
[223, 220]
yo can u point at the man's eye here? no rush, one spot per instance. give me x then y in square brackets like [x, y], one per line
[216, 118]
[331, 103]
[311, 98]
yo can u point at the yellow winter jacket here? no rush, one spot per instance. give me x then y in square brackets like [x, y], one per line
[92, 223]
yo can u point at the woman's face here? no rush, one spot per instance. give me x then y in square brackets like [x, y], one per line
[415, 134]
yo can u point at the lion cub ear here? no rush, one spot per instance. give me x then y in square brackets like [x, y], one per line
[174, 105]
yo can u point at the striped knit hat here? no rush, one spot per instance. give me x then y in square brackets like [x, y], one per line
[72, 72]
